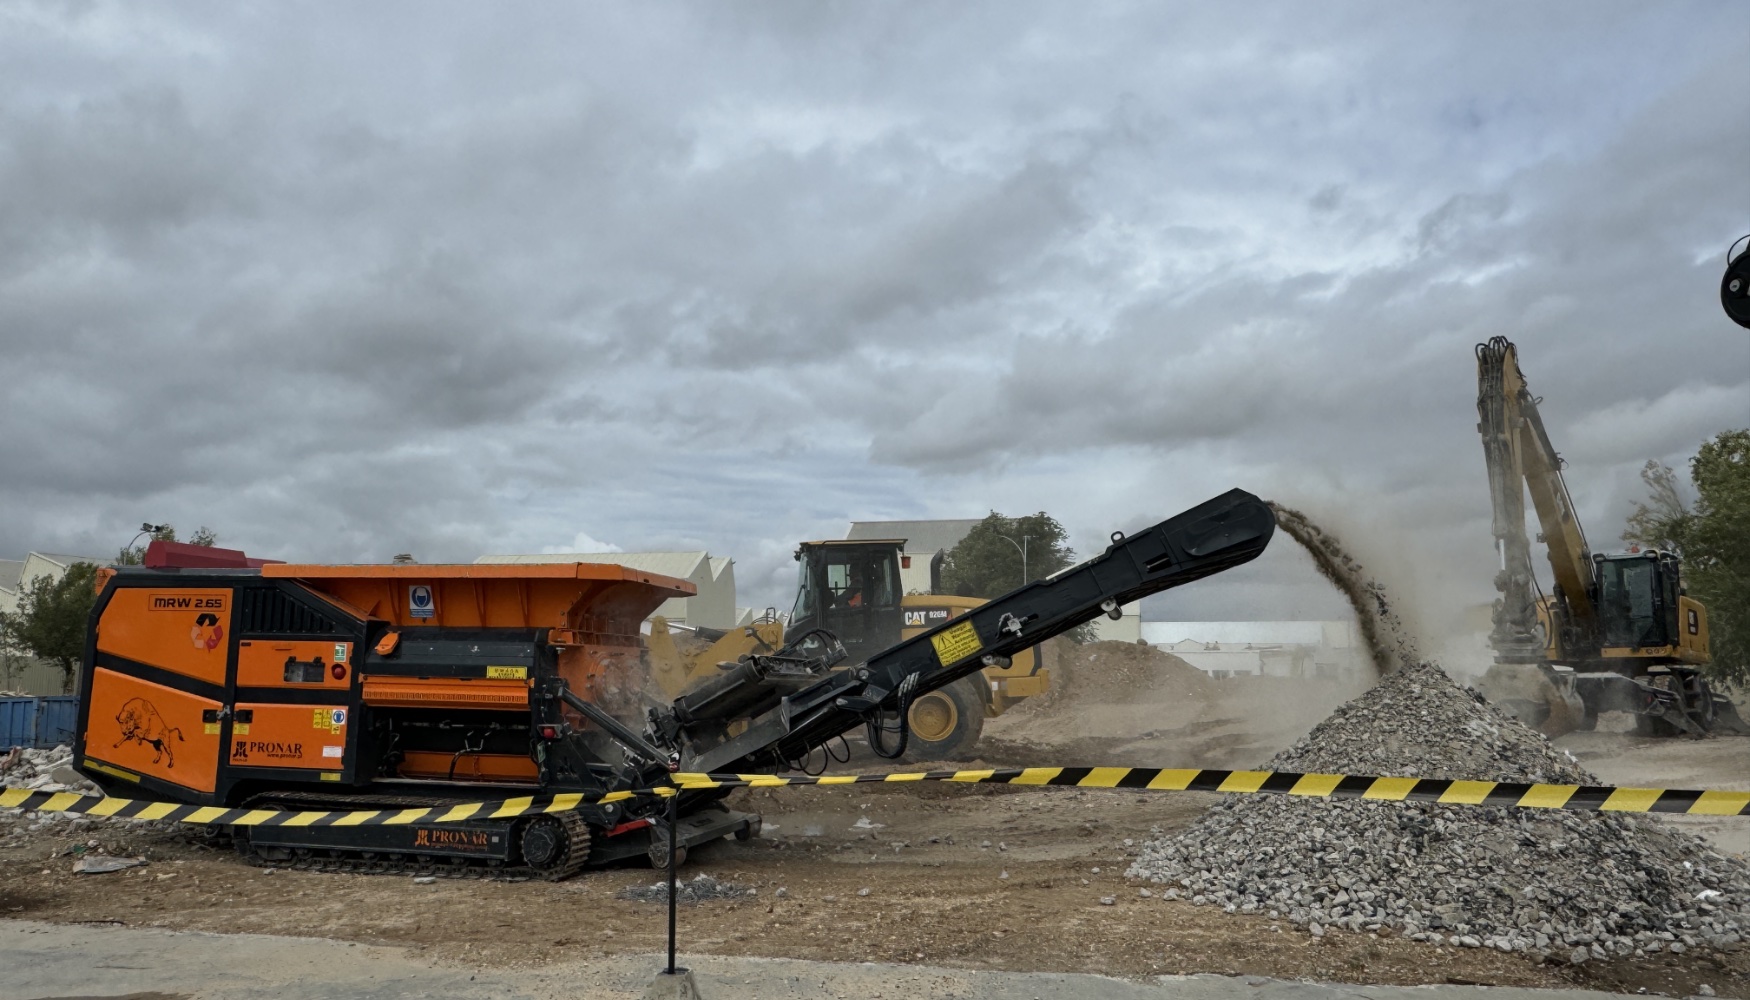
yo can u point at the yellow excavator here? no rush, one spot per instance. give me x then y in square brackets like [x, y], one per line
[1617, 633]
[851, 588]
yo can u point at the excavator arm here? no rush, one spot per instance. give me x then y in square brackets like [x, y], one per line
[1520, 459]
[793, 702]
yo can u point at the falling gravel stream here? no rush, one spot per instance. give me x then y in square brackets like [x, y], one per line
[1388, 641]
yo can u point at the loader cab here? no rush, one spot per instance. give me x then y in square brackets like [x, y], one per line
[850, 588]
[1637, 599]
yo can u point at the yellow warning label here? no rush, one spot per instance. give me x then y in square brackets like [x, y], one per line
[210, 728]
[507, 673]
[239, 729]
[956, 643]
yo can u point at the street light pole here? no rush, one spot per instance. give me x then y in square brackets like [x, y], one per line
[145, 529]
[1021, 548]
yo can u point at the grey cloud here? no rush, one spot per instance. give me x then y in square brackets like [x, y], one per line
[382, 280]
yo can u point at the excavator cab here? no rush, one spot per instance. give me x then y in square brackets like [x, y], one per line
[851, 589]
[1638, 594]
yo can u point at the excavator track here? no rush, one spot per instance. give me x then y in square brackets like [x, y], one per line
[559, 841]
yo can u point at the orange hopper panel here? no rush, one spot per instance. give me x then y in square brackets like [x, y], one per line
[592, 611]
[536, 595]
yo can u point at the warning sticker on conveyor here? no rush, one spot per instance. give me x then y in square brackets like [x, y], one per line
[956, 643]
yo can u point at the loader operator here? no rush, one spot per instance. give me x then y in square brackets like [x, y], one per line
[852, 595]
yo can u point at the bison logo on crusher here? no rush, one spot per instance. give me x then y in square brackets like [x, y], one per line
[141, 723]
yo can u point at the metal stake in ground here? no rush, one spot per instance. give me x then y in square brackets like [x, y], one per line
[674, 812]
[673, 983]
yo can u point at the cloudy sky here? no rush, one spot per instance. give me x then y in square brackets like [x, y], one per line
[342, 282]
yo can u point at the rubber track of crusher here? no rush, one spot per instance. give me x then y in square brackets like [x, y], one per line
[376, 862]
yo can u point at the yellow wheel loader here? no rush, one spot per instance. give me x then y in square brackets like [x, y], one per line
[851, 588]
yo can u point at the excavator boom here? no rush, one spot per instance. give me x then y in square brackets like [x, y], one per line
[1520, 458]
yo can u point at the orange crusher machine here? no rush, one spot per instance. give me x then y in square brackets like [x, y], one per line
[214, 679]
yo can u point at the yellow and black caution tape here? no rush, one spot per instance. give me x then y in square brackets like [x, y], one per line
[1521, 795]
[174, 812]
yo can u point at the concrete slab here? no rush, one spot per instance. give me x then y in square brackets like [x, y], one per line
[63, 962]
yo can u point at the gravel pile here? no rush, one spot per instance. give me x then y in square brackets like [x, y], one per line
[1574, 885]
[42, 770]
[693, 890]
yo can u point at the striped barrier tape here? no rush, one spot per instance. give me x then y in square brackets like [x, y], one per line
[143, 809]
[1521, 795]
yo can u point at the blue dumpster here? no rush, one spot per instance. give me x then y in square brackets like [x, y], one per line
[37, 722]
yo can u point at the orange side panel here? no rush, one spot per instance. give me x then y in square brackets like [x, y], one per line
[309, 736]
[151, 729]
[468, 767]
[182, 630]
[401, 692]
[264, 663]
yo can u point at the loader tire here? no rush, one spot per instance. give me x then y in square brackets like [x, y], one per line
[657, 853]
[947, 722]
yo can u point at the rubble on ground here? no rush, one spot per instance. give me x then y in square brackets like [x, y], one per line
[1573, 885]
[693, 890]
[48, 770]
[51, 770]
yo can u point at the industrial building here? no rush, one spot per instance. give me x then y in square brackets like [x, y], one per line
[925, 541]
[19, 671]
[1330, 649]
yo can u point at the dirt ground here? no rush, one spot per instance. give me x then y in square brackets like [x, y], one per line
[971, 876]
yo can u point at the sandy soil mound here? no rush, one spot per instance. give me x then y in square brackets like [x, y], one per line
[1116, 673]
[1108, 691]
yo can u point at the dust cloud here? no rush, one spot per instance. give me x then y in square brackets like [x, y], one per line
[1389, 641]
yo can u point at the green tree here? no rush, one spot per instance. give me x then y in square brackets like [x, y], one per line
[1717, 549]
[10, 649]
[1714, 538]
[51, 618]
[1663, 520]
[134, 555]
[988, 562]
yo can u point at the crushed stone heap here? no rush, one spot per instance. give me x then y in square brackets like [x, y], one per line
[1573, 884]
